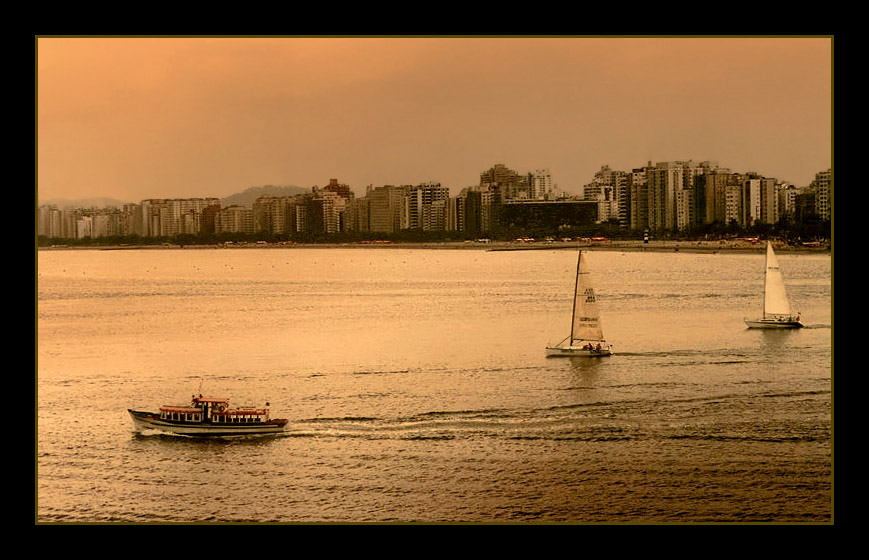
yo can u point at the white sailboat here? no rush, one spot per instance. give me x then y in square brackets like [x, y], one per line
[586, 336]
[777, 310]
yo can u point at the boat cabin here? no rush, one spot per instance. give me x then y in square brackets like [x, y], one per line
[181, 413]
[214, 410]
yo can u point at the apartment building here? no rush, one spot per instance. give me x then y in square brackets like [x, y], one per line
[822, 186]
[668, 195]
[385, 207]
[425, 207]
[169, 217]
[541, 184]
[234, 219]
[638, 202]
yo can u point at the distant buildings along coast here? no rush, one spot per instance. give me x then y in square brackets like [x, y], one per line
[668, 196]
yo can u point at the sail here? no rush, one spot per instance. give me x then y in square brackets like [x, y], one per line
[586, 318]
[775, 298]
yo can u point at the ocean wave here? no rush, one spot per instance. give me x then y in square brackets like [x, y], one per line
[337, 419]
[749, 438]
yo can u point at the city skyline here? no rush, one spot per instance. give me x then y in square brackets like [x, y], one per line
[137, 118]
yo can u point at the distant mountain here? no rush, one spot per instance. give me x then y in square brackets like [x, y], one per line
[100, 202]
[248, 196]
[244, 198]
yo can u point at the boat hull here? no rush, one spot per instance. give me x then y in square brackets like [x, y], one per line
[576, 351]
[150, 421]
[773, 324]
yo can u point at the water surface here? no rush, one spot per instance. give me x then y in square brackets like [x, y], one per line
[417, 388]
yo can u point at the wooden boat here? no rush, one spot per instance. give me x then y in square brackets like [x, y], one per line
[208, 417]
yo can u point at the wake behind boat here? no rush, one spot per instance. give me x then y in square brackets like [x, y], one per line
[777, 310]
[208, 417]
[586, 335]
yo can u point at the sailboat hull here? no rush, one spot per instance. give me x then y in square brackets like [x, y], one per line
[576, 351]
[773, 324]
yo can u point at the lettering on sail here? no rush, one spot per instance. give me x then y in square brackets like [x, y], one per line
[589, 295]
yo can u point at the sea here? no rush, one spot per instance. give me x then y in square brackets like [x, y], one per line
[417, 388]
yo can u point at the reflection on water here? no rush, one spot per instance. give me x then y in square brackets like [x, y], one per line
[587, 368]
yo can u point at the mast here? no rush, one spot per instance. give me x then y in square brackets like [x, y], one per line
[575, 291]
[765, 277]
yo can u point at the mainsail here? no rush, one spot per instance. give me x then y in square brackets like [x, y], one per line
[775, 298]
[585, 324]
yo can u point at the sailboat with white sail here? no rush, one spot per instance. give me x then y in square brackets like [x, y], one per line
[586, 335]
[777, 310]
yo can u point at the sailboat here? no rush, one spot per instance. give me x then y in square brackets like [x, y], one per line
[586, 336]
[777, 310]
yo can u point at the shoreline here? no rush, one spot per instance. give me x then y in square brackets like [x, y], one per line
[708, 247]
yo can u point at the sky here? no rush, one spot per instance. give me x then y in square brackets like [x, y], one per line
[135, 118]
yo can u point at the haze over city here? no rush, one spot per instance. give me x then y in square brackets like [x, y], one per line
[138, 118]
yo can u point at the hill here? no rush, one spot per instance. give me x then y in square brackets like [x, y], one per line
[248, 196]
[100, 202]
[244, 198]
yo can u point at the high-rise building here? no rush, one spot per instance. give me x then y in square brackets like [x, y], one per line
[710, 196]
[234, 219]
[340, 189]
[170, 217]
[384, 208]
[512, 185]
[357, 215]
[541, 184]
[733, 204]
[270, 214]
[684, 208]
[822, 186]
[424, 207]
[333, 210]
[638, 188]
[787, 196]
[751, 204]
[769, 211]
[664, 181]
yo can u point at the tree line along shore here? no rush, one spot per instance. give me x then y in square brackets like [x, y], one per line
[748, 245]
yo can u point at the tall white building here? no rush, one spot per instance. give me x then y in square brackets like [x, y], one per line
[425, 207]
[541, 184]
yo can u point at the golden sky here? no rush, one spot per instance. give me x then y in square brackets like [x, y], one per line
[135, 118]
